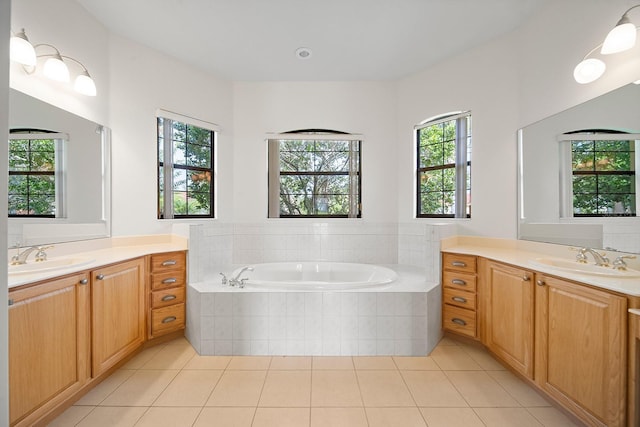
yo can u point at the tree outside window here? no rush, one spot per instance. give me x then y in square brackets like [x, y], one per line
[185, 170]
[444, 167]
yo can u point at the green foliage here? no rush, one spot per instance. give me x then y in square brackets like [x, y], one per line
[31, 194]
[599, 187]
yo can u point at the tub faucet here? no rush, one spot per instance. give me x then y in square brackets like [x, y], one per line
[599, 259]
[237, 280]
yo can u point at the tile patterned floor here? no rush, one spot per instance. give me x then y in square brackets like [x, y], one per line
[171, 385]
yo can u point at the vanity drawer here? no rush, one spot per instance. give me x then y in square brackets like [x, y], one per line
[458, 262]
[453, 279]
[168, 261]
[459, 320]
[167, 297]
[167, 319]
[168, 279]
[459, 298]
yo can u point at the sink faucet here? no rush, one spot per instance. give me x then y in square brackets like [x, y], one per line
[21, 257]
[237, 280]
[599, 258]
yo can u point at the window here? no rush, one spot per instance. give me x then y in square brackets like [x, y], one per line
[443, 175]
[314, 174]
[185, 167]
[35, 172]
[603, 169]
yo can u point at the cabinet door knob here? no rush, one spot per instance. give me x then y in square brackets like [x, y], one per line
[459, 299]
[169, 262]
[168, 298]
[526, 278]
[169, 319]
[459, 321]
[84, 281]
[100, 276]
[459, 282]
[540, 282]
[458, 264]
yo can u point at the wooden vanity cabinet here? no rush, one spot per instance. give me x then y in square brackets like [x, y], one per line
[580, 349]
[49, 356]
[167, 279]
[118, 312]
[507, 313]
[459, 294]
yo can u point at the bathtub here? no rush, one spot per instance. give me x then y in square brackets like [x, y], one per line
[329, 276]
[315, 309]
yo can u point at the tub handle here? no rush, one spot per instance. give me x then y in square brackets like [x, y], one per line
[168, 298]
[169, 319]
[169, 280]
[458, 264]
[169, 262]
[459, 282]
[458, 321]
[459, 299]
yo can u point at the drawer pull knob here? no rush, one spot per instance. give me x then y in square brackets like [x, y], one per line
[169, 262]
[84, 281]
[459, 282]
[540, 283]
[459, 264]
[168, 298]
[459, 299]
[459, 321]
[169, 319]
[170, 280]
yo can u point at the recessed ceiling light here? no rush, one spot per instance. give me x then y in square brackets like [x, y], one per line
[303, 53]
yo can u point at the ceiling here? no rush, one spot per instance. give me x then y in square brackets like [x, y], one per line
[256, 40]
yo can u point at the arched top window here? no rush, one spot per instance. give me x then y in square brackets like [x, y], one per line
[314, 173]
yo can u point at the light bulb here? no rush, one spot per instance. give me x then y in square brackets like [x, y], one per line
[56, 69]
[84, 84]
[621, 38]
[589, 70]
[22, 50]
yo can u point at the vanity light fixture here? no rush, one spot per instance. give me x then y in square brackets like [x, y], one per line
[55, 66]
[621, 38]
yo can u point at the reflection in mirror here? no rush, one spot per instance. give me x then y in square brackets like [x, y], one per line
[560, 200]
[59, 174]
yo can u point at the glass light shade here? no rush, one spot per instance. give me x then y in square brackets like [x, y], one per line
[85, 85]
[589, 70]
[621, 38]
[56, 69]
[21, 50]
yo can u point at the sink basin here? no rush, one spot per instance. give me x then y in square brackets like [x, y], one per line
[590, 269]
[48, 265]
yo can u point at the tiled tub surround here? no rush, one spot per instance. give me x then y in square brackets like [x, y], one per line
[401, 319]
[218, 243]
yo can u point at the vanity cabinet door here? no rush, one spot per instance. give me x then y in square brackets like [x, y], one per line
[118, 316]
[48, 346]
[581, 349]
[508, 298]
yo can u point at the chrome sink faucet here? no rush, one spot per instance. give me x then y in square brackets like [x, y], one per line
[600, 259]
[21, 257]
[237, 280]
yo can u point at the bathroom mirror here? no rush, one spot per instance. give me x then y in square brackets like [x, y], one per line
[82, 175]
[544, 172]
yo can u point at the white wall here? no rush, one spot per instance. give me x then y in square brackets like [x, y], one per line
[366, 108]
[143, 80]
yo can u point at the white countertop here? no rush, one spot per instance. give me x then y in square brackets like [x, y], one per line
[118, 251]
[523, 254]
